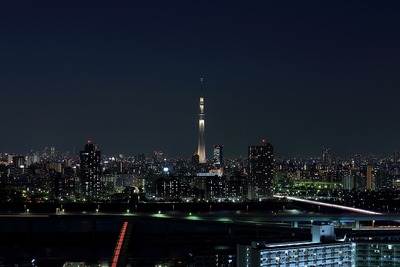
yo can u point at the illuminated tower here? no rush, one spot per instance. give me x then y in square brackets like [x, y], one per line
[201, 149]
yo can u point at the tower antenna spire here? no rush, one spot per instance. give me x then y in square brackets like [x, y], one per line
[201, 85]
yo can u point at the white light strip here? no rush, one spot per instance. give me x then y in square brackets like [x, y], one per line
[330, 205]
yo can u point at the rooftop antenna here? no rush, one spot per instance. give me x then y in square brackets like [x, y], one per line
[201, 85]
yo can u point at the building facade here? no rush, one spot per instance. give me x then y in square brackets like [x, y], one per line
[324, 250]
[261, 171]
[377, 253]
[90, 171]
[218, 156]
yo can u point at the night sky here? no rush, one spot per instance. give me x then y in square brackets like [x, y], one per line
[126, 74]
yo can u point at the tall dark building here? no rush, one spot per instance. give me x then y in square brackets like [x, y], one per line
[326, 157]
[90, 170]
[261, 171]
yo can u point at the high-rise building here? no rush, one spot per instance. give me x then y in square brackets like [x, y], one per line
[396, 156]
[18, 161]
[348, 180]
[201, 149]
[90, 170]
[261, 171]
[32, 158]
[370, 184]
[218, 155]
[326, 157]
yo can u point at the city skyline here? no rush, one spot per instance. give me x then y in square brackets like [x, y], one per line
[302, 75]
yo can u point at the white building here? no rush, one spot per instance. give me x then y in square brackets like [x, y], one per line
[323, 250]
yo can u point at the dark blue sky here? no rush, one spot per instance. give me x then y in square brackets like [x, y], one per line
[302, 74]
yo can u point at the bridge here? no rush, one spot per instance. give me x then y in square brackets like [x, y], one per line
[329, 205]
[232, 217]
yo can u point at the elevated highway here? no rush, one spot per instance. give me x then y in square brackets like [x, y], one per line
[206, 217]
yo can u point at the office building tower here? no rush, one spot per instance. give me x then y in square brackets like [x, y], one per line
[201, 149]
[348, 180]
[396, 156]
[90, 170]
[370, 182]
[218, 155]
[326, 157]
[68, 183]
[261, 171]
[32, 158]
